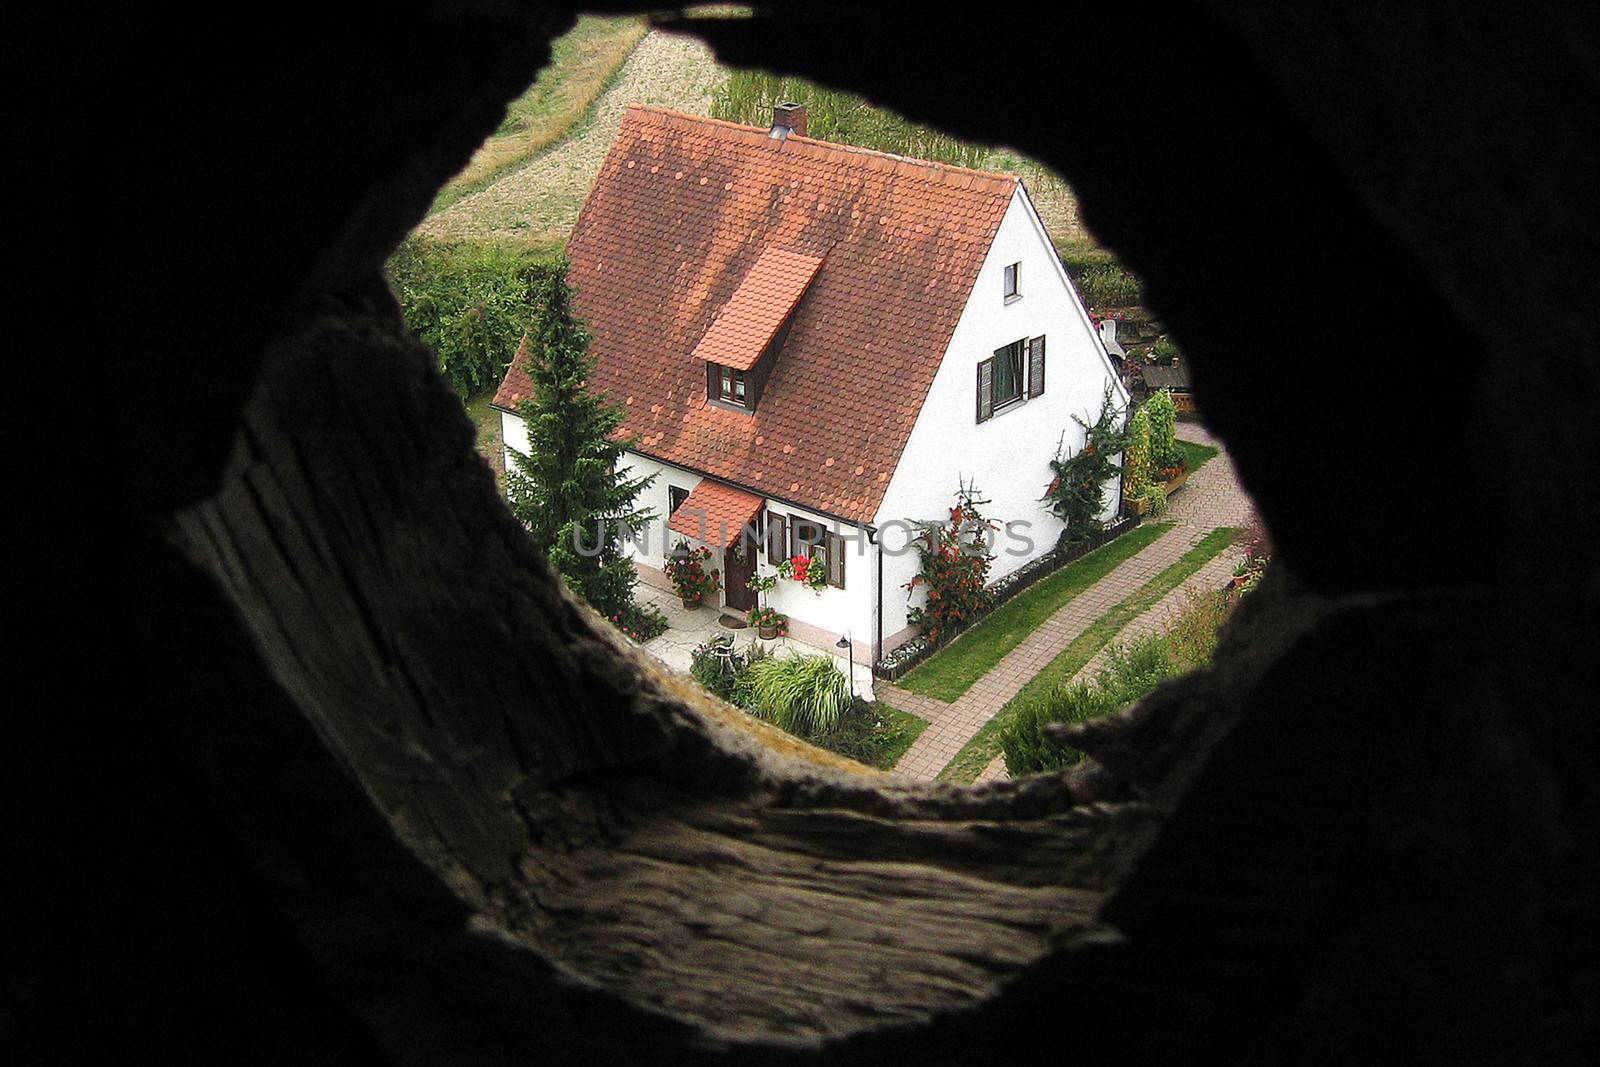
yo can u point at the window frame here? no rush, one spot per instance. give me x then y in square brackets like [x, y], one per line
[1016, 356]
[1011, 282]
[1026, 356]
[733, 386]
[830, 544]
[674, 501]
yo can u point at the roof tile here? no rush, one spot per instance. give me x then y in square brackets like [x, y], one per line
[677, 257]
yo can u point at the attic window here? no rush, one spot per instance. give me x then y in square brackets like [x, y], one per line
[1011, 292]
[730, 385]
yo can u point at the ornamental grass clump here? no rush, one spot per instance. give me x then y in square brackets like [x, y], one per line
[800, 694]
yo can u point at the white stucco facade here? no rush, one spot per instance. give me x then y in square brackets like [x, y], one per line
[1006, 456]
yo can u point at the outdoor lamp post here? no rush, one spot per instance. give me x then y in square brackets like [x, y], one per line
[845, 643]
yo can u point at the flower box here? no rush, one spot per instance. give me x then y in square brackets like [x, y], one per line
[1173, 484]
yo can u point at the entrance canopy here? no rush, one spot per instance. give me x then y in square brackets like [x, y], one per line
[714, 513]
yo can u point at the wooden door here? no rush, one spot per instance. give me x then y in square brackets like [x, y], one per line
[738, 564]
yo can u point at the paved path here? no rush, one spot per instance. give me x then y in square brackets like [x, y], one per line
[1211, 498]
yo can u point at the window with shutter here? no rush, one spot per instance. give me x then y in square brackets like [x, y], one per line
[805, 536]
[777, 538]
[1036, 366]
[835, 562]
[986, 390]
[1008, 375]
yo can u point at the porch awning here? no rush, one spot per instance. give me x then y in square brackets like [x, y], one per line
[714, 513]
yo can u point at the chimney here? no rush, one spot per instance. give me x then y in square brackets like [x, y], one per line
[788, 117]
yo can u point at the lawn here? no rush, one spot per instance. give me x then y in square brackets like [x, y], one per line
[951, 671]
[899, 732]
[487, 421]
[982, 748]
[582, 63]
[1196, 455]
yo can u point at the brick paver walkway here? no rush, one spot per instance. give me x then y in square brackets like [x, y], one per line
[1211, 498]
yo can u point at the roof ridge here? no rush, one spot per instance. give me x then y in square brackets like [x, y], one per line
[827, 146]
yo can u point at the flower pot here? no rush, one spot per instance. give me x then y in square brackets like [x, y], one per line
[693, 603]
[768, 633]
[1173, 485]
[1138, 507]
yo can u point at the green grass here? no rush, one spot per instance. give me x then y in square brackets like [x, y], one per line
[982, 748]
[583, 62]
[900, 731]
[487, 422]
[951, 671]
[1196, 455]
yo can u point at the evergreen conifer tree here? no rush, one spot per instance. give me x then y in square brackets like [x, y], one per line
[568, 488]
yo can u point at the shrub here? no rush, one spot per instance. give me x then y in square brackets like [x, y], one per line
[801, 694]
[1131, 672]
[470, 302]
[1077, 495]
[955, 568]
[723, 674]
[1109, 285]
[1163, 414]
[641, 622]
[1136, 460]
[685, 569]
[1028, 749]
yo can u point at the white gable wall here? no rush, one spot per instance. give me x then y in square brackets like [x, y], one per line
[1008, 455]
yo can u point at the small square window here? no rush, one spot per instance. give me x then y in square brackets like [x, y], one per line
[1011, 280]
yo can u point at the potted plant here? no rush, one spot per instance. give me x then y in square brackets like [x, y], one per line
[770, 623]
[686, 571]
[800, 569]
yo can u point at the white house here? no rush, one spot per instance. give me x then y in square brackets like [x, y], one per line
[815, 345]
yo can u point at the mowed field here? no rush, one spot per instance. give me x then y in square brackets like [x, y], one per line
[529, 181]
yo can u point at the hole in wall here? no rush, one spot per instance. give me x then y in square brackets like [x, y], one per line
[510, 212]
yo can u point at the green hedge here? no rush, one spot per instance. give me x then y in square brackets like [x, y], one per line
[469, 302]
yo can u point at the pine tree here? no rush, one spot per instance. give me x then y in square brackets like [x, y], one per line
[568, 489]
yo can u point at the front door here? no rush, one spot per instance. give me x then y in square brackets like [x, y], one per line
[738, 564]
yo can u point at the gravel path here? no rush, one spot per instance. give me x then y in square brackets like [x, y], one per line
[539, 201]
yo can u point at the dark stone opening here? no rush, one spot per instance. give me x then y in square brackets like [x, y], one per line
[270, 790]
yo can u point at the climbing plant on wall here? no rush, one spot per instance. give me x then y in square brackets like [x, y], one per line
[1077, 494]
[955, 568]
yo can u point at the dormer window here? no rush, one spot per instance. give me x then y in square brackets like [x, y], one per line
[1011, 292]
[730, 385]
[743, 341]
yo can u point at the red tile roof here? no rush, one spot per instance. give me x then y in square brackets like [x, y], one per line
[715, 513]
[751, 318]
[681, 214]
